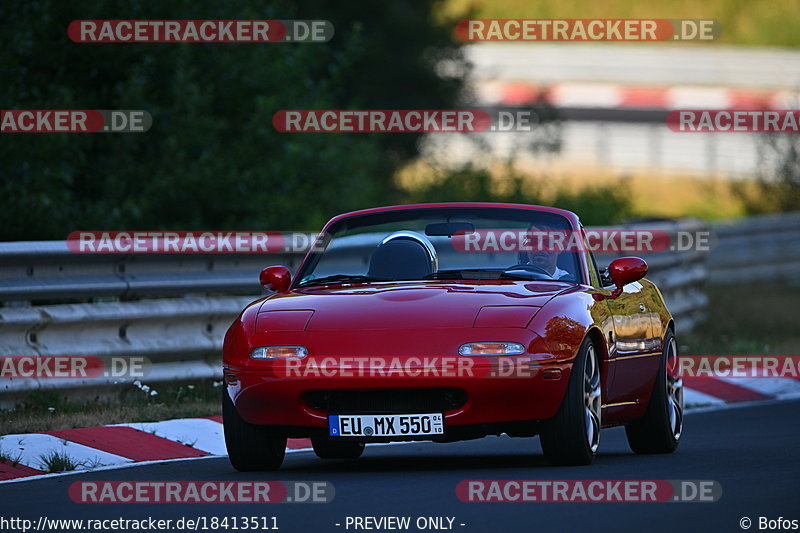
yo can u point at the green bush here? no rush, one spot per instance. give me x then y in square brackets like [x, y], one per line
[594, 205]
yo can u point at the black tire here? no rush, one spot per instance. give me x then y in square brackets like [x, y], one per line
[337, 449]
[251, 448]
[566, 438]
[659, 431]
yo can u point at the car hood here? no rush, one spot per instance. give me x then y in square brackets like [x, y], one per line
[407, 305]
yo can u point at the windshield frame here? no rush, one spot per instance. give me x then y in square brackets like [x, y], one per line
[340, 222]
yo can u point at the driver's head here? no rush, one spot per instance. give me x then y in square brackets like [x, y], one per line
[542, 246]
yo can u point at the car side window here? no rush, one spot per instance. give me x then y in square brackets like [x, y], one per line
[594, 274]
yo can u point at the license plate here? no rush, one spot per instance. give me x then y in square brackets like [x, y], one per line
[385, 425]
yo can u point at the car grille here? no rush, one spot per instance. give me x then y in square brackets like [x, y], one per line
[396, 401]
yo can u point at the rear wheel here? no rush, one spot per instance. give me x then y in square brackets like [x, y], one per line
[573, 435]
[250, 447]
[332, 449]
[659, 431]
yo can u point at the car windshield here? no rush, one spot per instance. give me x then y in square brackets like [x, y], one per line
[469, 243]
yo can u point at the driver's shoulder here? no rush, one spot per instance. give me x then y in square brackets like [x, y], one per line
[560, 273]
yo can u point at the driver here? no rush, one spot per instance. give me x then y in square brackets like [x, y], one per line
[546, 256]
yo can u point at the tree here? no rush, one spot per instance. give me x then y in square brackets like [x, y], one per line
[212, 158]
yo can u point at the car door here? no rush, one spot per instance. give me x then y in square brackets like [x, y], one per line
[630, 333]
[602, 316]
[634, 346]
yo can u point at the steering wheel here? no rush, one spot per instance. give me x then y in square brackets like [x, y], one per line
[529, 268]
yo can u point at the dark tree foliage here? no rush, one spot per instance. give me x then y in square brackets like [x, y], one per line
[212, 158]
[778, 186]
[598, 204]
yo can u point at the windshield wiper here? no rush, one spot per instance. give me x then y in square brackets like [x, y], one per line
[444, 274]
[338, 278]
[525, 276]
[465, 273]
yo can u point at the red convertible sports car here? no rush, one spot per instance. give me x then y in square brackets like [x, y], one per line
[446, 322]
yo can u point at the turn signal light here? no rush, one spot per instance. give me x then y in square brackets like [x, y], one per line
[552, 373]
[279, 352]
[492, 348]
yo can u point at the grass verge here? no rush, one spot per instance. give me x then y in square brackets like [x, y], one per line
[744, 22]
[49, 410]
[56, 461]
[747, 320]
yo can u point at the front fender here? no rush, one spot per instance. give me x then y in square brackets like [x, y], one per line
[568, 318]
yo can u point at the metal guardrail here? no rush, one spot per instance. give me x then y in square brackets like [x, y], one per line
[679, 275]
[175, 309]
[639, 64]
[758, 248]
[49, 271]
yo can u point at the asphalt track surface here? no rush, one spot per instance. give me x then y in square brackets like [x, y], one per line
[752, 451]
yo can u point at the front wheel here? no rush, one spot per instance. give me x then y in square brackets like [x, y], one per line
[659, 431]
[251, 448]
[573, 435]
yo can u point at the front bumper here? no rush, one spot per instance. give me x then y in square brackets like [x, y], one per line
[275, 395]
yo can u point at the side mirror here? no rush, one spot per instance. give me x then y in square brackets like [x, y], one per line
[626, 270]
[276, 278]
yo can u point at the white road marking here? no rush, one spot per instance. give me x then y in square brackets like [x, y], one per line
[694, 397]
[29, 449]
[200, 433]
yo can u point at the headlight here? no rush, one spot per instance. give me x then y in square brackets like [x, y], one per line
[491, 348]
[279, 352]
